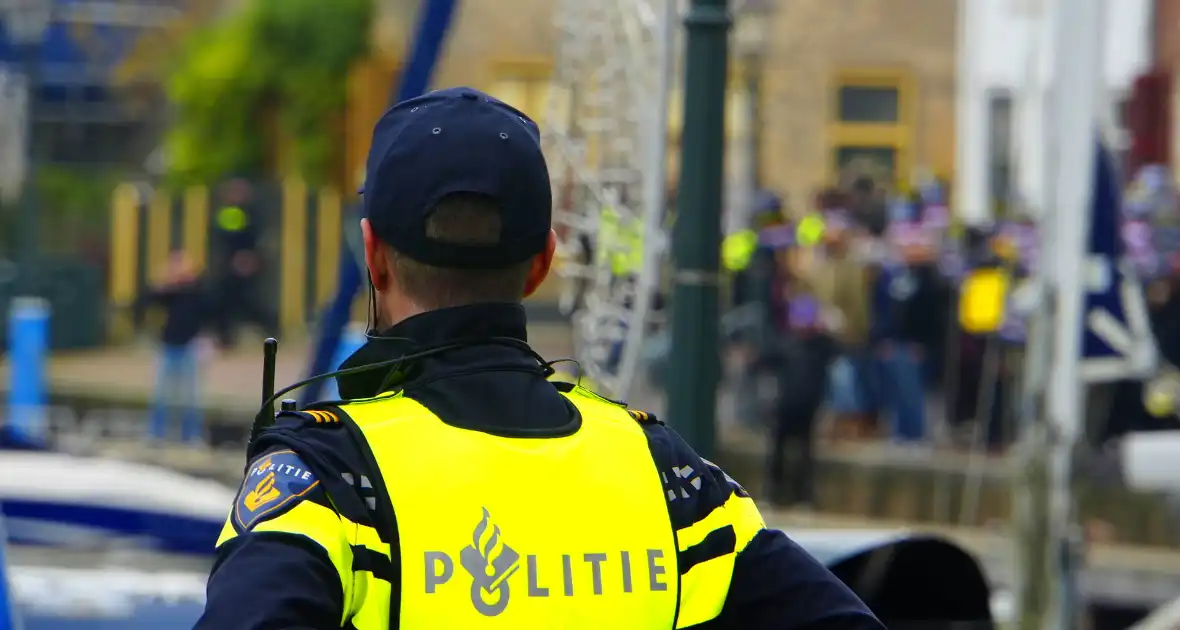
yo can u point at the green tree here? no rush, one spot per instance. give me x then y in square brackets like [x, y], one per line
[287, 58]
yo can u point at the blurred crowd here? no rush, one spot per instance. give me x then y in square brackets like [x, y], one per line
[851, 316]
[858, 327]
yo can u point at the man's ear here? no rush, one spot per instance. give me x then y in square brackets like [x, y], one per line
[541, 264]
[376, 257]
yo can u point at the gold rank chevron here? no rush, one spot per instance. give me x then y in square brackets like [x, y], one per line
[323, 417]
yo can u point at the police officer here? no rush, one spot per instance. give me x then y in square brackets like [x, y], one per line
[457, 487]
[237, 264]
[621, 241]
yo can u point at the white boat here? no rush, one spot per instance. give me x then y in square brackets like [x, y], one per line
[83, 502]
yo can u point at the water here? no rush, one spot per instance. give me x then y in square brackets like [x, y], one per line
[156, 617]
[58, 589]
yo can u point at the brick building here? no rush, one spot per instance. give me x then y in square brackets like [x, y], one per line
[1167, 33]
[1157, 91]
[848, 79]
[842, 79]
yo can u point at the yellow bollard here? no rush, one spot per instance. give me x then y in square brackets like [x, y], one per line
[159, 235]
[293, 256]
[124, 238]
[196, 226]
[327, 254]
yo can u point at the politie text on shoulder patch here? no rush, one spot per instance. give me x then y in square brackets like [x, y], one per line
[275, 483]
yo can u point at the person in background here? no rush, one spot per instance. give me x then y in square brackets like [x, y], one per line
[621, 248]
[186, 312]
[573, 298]
[758, 340]
[749, 269]
[841, 285]
[1127, 412]
[866, 203]
[237, 264]
[740, 249]
[939, 296]
[802, 364]
[899, 344]
[972, 348]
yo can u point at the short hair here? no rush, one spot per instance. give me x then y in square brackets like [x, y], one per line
[466, 219]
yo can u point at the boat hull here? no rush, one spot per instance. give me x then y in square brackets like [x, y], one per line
[51, 499]
[90, 526]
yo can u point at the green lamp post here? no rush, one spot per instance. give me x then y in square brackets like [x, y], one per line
[695, 361]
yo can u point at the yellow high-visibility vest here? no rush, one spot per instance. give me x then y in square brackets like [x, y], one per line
[505, 531]
[810, 230]
[983, 300]
[232, 219]
[628, 259]
[621, 242]
[476, 549]
[737, 250]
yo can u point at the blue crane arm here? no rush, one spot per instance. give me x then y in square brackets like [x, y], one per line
[434, 20]
[433, 23]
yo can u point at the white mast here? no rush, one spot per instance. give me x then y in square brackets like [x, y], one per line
[1045, 505]
[971, 126]
[1032, 115]
[654, 189]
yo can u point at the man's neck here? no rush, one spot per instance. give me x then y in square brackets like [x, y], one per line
[467, 324]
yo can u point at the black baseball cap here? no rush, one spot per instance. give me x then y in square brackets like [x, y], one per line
[452, 141]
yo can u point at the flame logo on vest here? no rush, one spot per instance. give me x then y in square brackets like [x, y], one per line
[490, 563]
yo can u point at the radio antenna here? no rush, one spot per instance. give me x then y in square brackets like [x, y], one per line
[270, 354]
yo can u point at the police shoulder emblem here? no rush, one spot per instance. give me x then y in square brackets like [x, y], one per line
[274, 483]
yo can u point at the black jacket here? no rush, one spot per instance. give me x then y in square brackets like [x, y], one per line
[275, 580]
[187, 310]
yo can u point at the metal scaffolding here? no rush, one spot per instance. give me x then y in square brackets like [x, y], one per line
[606, 138]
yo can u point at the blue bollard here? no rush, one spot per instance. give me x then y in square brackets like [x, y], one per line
[28, 345]
[353, 339]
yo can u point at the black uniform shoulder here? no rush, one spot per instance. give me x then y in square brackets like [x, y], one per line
[319, 429]
[694, 486]
[317, 438]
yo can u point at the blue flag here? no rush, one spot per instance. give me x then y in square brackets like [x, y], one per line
[1105, 249]
[1117, 341]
